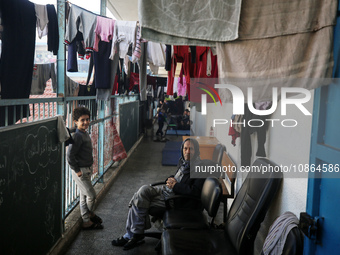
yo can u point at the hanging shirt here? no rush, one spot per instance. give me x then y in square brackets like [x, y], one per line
[181, 85]
[71, 87]
[104, 31]
[42, 19]
[155, 56]
[102, 66]
[83, 21]
[41, 74]
[181, 54]
[124, 35]
[206, 63]
[77, 45]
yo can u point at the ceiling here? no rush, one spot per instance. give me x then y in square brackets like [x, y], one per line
[128, 10]
[123, 9]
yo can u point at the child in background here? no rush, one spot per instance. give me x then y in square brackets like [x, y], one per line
[80, 159]
[161, 119]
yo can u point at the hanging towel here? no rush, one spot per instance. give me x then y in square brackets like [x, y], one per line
[281, 44]
[189, 22]
[276, 62]
[63, 134]
[269, 18]
[278, 232]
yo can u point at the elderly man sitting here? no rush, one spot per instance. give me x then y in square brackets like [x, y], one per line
[154, 196]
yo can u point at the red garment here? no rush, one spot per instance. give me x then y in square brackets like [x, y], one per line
[119, 152]
[115, 86]
[191, 70]
[152, 80]
[134, 80]
[181, 55]
[234, 134]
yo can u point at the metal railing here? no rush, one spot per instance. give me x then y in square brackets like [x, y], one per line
[28, 110]
[104, 115]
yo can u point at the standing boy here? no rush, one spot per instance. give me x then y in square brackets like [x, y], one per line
[80, 159]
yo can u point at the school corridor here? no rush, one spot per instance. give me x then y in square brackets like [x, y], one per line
[140, 168]
[257, 80]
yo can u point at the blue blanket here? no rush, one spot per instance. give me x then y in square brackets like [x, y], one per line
[171, 153]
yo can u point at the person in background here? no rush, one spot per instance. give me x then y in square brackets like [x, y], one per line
[80, 159]
[161, 119]
[184, 120]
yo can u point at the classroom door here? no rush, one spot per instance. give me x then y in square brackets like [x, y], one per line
[324, 191]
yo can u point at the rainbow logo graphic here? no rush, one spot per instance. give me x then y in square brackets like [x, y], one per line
[206, 90]
[211, 92]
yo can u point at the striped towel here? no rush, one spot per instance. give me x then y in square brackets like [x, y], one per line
[278, 233]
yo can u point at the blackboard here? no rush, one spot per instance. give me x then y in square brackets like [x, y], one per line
[128, 122]
[30, 188]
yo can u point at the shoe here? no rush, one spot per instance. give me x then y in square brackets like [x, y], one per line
[121, 241]
[94, 226]
[96, 219]
[135, 241]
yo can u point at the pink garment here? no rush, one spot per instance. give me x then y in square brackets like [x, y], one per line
[104, 30]
[182, 84]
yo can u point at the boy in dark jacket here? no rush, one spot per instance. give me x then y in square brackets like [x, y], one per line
[80, 159]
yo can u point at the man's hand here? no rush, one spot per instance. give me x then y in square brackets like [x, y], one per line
[170, 183]
[79, 174]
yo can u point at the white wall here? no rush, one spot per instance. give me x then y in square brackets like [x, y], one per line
[289, 146]
[199, 122]
[284, 146]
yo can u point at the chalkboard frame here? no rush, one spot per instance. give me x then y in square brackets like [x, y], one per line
[129, 133]
[31, 185]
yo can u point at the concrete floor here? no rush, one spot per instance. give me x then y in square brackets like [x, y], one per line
[143, 167]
